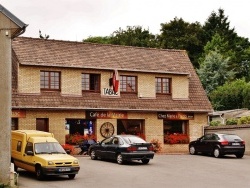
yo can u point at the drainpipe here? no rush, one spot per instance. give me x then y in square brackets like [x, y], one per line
[223, 120]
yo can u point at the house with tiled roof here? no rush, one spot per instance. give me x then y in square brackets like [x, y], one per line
[69, 87]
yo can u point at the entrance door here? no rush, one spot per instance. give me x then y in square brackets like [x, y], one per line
[42, 124]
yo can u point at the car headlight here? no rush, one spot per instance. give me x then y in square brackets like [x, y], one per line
[75, 162]
[50, 162]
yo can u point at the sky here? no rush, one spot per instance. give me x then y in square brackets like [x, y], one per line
[75, 20]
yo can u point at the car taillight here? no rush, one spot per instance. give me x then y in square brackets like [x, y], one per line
[243, 142]
[151, 148]
[224, 142]
[132, 148]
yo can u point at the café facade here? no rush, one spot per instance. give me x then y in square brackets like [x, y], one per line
[67, 87]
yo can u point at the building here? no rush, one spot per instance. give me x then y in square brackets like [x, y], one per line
[222, 116]
[10, 27]
[74, 87]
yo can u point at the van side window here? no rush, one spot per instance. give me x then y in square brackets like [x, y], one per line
[29, 147]
[19, 146]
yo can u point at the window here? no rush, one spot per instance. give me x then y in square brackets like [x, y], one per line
[162, 85]
[175, 132]
[50, 80]
[127, 83]
[91, 82]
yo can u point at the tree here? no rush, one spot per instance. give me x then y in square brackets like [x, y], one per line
[178, 34]
[134, 36]
[231, 95]
[98, 39]
[217, 23]
[213, 72]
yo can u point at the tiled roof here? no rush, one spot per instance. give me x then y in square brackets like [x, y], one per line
[40, 52]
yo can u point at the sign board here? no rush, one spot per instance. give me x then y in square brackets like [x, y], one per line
[106, 115]
[175, 115]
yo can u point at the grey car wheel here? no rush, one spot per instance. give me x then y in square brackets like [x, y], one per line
[119, 159]
[145, 161]
[217, 153]
[93, 155]
[192, 150]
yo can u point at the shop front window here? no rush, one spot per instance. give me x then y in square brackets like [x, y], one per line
[176, 132]
[78, 130]
[134, 127]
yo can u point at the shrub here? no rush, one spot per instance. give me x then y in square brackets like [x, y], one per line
[215, 123]
[157, 145]
[232, 121]
[244, 120]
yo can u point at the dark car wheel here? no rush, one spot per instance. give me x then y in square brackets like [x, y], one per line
[119, 159]
[192, 150]
[39, 173]
[71, 176]
[93, 155]
[239, 155]
[217, 153]
[145, 161]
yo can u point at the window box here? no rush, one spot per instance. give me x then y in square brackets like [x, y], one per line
[176, 138]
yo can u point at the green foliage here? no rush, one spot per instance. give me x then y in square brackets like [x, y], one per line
[178, 34]
[100, 40]
[244, 120]
[232, 121]
[215, 123]
[231, 95]
[213, 71]
[133, 36]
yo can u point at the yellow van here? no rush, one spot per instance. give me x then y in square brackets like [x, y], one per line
[40, 152]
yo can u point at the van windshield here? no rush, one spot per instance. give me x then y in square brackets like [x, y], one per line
[48, 148]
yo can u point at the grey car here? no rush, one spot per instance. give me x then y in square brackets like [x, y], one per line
[122, 148]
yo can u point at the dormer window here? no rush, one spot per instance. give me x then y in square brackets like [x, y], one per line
[91, 82]
[163, 85]
[50, 80]
[128, 84]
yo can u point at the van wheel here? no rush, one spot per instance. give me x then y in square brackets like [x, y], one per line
[15, 167]
[71, 176]
[39, 173]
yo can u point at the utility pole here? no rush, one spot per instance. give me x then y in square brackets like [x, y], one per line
[10, 27]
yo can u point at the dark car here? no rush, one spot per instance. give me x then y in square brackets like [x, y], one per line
[218, 145]
[85, 146]
[122, 148]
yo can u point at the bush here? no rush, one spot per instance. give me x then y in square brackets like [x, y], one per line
[232, 121]
[244, 120]
[215, 123]
[157, 145]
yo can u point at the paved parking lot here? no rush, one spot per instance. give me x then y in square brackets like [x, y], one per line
[161, 172]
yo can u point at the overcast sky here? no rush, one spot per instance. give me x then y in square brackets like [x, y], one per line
[75, 20]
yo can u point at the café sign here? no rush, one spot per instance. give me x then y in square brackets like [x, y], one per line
[175, 115]
[106, 115]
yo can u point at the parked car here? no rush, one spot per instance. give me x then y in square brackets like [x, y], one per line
[122, 148]
[85, 146]
[218, 145]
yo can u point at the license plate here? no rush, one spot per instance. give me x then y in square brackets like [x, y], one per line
[64, 169]
[142, 148]
[235, 144]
